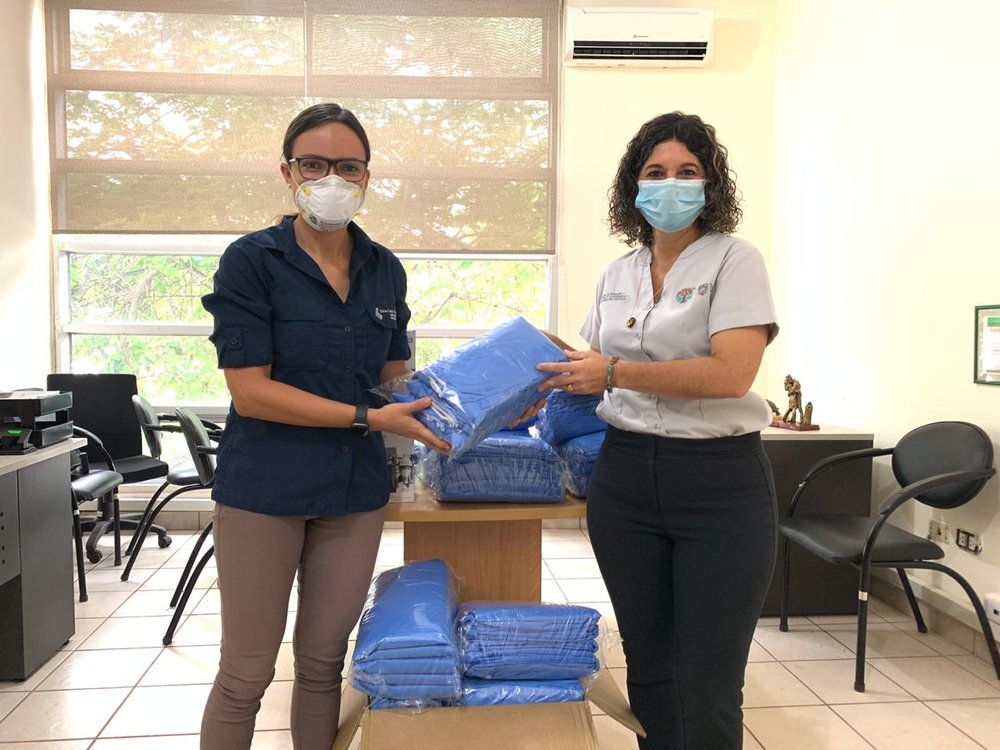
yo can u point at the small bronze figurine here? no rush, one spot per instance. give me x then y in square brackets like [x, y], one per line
[795, 417]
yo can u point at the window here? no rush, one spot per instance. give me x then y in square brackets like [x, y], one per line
[166, 128]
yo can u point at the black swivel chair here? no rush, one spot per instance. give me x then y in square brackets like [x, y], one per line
[199, 440]
[102, 404]
[184, 476]
[943, 465]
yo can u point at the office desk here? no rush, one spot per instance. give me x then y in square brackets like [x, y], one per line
[36, 558]
[818, 587]
[494, 549]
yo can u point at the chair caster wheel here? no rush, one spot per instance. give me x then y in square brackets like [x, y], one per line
[164, 541]
[94, 555]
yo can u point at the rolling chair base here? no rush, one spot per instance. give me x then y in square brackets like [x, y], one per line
[100, 527]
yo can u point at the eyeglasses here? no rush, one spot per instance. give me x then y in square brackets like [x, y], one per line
[316, 167]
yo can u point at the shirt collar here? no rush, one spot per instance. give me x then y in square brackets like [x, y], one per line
[645, 254]
[362, 252]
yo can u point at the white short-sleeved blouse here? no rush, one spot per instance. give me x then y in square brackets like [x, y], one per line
[719, 282]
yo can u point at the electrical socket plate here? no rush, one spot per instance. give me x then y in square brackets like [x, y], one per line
[967, 540]
[993, 607]
[937, 531]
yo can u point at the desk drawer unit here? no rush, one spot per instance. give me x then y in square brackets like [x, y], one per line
[10, 553]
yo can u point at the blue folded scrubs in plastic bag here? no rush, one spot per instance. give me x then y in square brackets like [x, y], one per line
[483, 385]
[525, 641]
[406, 652]
[512, 692]
[568, 415]
[508, 466]
[578, 456]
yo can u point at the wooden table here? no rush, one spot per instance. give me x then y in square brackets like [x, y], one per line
[494, 549]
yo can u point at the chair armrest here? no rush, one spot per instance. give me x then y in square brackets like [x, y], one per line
[211, 426]
[828, 463]
[207, 450]
[94, 442]
[161, 427]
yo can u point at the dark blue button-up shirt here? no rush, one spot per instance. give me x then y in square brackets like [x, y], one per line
[273, 306]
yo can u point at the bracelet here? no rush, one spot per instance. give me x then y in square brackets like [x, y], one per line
[609, 382]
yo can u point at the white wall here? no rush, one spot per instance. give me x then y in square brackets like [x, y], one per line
[885, 182]
[25, 323]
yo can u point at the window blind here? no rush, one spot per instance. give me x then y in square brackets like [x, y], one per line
[167, 117]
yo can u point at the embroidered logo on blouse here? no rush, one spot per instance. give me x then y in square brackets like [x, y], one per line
[684, 294]
[613, 296]
[704, 289]
[381, 312]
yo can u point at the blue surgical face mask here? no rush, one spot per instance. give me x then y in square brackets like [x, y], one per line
[671, 205]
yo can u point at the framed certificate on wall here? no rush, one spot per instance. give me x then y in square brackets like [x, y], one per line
[987, 348]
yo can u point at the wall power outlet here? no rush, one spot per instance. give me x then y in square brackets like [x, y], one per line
[993, 607]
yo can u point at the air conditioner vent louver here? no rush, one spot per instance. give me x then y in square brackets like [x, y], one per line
[619, 50]
[645, 37]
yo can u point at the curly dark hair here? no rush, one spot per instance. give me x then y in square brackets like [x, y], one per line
[722, 211]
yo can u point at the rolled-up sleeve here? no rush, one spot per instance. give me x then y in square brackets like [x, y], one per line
[241, 310]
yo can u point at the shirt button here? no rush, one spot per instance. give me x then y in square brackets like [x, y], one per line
[658, 426]
[345, 449]
[234, 341]
[347, 329]
[347, 368]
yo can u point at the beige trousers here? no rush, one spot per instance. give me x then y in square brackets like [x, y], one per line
[258, 557]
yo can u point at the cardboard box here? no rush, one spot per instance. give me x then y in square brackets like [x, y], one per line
[541, 726]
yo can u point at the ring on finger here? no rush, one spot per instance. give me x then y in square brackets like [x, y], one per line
[569, 387]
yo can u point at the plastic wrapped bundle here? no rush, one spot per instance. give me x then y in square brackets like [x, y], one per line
[509, 466]
[512, 692]
[578, 456]
[527, 641]
[568, 415]
[406, 652]
[484, 384]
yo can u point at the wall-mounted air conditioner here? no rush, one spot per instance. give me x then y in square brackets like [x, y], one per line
[607, 37]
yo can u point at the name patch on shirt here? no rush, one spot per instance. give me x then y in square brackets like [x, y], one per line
[613, 297]
[385, 312]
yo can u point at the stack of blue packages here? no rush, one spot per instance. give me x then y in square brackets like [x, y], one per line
[578, 456]
[568, 415]
[524, 641]
[569, 422]
[406, 653]
[483, 385]
[510, 466]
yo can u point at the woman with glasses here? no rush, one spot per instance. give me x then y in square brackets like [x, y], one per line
[310, 315]
[680, 510]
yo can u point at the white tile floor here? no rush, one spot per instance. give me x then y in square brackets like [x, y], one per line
[115, 687]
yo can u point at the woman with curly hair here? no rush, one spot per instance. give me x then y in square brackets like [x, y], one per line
[681, 509]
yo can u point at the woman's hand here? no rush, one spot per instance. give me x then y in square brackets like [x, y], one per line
[529, 412]
[399, 420]
[586, 372]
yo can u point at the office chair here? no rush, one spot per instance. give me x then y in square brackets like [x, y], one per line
[185, 477]
[102, 404]
[943, 465]
[199, 441]
[87, 486]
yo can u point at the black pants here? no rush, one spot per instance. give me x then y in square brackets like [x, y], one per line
[684, 532]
